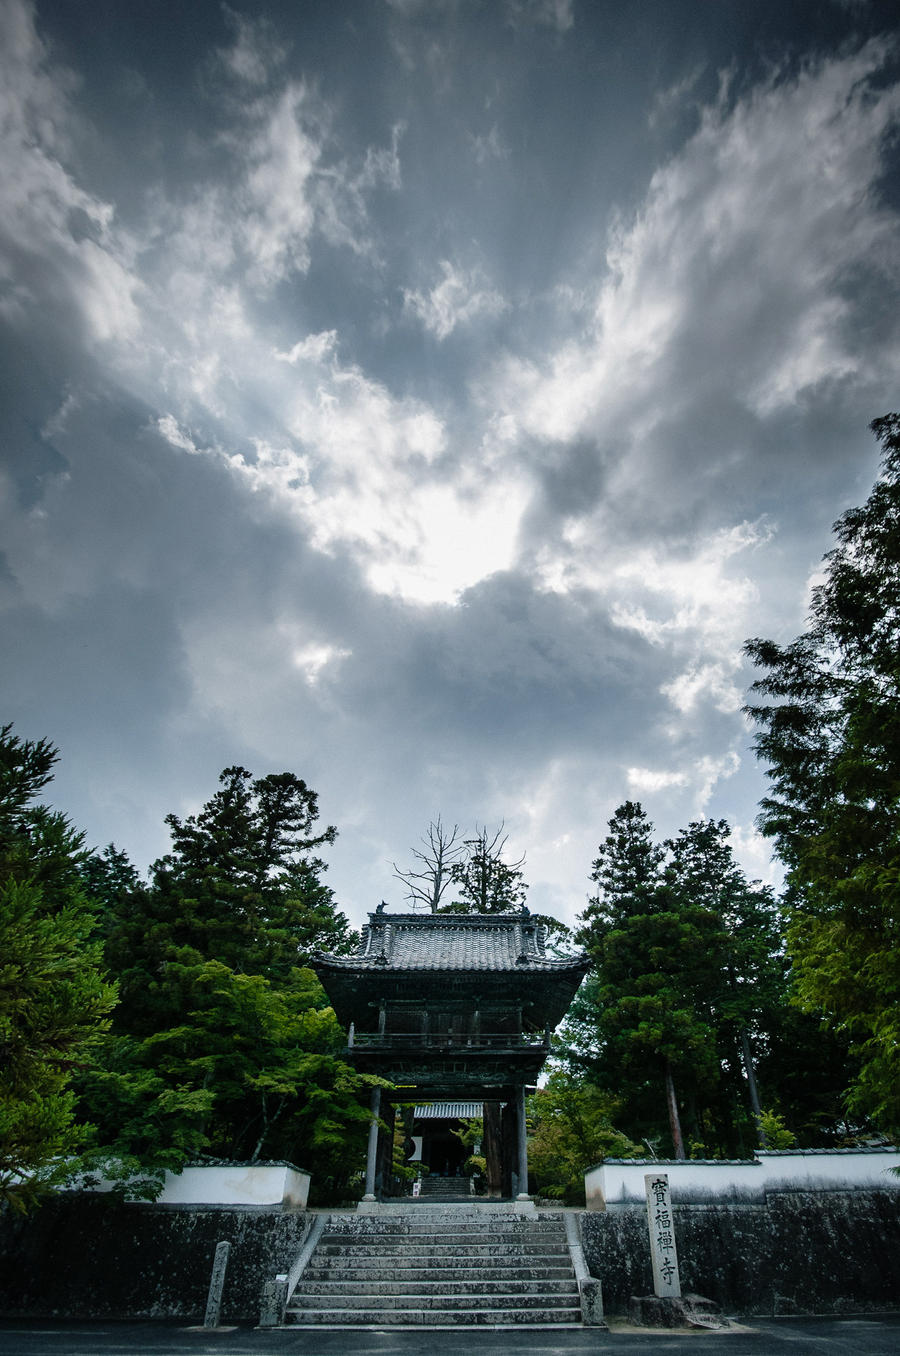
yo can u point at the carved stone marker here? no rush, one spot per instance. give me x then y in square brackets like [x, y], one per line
[663, 1253]
[216, 1284]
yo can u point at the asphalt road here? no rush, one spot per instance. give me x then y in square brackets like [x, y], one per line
[861, 1336]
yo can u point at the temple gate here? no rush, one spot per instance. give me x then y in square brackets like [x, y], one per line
[452, 1008]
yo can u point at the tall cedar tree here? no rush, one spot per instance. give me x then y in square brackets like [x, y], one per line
[653, 951]
[54, 999]
[828, 708]
[690, 970]
[750, 987]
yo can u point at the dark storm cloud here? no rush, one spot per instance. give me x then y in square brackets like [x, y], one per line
[430, 399]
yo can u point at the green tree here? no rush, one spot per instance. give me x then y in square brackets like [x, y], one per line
[653, 950]
[54, 999]
[828, 710]
[224, 1043]
[571, 1129]
[109, 880]
[242, 885]
[485, 883]
[750, 989]
[253, 1069]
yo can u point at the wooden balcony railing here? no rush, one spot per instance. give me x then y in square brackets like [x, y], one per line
[448, 1040]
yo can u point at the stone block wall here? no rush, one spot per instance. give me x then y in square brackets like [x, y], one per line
[796, 1253]
[89, 1255]
[92, 1256]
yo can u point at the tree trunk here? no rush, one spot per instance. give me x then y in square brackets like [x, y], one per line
[751, 1084]
[672, 1105]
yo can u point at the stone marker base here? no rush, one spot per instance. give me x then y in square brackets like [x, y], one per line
[689, 1311]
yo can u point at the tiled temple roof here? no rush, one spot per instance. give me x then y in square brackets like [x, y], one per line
[409, 941]
[448, 1111]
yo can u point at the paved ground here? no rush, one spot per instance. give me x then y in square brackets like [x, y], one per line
[863, 1336]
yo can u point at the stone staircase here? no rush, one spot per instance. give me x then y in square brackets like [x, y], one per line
[446, 1188]
[438, 1267]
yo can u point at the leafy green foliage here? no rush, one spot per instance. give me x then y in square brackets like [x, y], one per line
[572, 1128]
[778, 1136]
[54, 1000]
[471, 1136]
[224, 1044]
[830, 733]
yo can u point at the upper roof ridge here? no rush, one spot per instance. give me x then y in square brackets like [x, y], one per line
[380, 916]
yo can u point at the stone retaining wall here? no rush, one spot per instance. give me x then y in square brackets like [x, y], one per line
[92, 1256]
[797, 1253]
[89, 1255]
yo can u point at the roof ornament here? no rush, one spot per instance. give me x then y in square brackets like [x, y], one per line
[523, 958]
[381, 959]
[381, 907]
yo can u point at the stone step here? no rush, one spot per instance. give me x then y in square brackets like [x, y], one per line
[385, 1247]
[437, 1228]
[431, 1245]
[425, 1285]
[563, 1316]
[449, 1267]
[465, 1212]
[419, 1274]
[500, 1300]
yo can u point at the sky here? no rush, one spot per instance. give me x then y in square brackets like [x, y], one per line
[429, 397]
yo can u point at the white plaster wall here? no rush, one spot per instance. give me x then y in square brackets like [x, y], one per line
[260, 1185]
[620, 1183]
[830, 1171]
[237, 1184]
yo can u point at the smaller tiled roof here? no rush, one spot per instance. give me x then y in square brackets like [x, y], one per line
[448, 1111]
[409, 941]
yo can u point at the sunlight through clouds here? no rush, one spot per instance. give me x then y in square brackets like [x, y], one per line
[435, 387]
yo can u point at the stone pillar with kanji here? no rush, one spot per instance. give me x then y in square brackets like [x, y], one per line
[663, 1253]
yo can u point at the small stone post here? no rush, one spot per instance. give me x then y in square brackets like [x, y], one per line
[663, 1253]
[216, 1285]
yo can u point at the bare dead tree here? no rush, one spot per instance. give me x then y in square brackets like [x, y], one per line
[426, 883]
